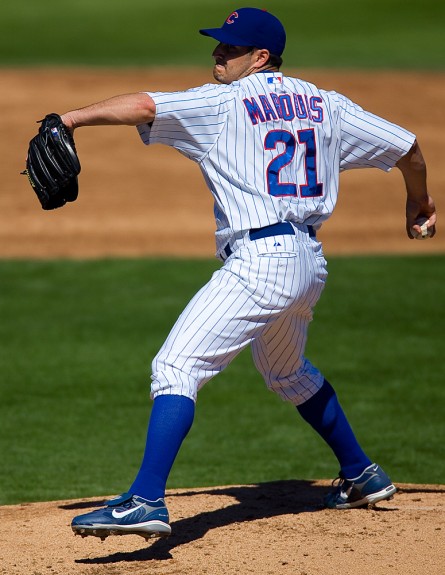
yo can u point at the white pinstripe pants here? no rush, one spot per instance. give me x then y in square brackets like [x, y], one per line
[263, 295]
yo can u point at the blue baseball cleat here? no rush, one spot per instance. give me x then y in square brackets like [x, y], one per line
[371, 486]
[128, 514]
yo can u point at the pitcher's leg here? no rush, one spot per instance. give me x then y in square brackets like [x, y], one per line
[278, 354]
[325, 414]
[170, 420]
[209, 333]
[217, 324]
[225, 316]
[360, 481]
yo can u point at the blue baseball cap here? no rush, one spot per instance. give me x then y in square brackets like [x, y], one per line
[251, 27]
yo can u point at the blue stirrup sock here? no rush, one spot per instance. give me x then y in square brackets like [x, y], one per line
[170, 420]
[325, 414]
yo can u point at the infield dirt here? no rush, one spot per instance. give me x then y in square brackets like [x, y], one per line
[136, 201]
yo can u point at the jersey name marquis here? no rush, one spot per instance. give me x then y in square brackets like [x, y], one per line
[284, 107]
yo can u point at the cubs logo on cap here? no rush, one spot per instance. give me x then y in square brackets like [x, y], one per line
[230, 19]
[250, 27]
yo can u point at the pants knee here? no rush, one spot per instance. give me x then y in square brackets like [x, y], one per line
[173, 381]
[300, 386]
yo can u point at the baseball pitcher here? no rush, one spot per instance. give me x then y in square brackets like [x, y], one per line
[270, 148]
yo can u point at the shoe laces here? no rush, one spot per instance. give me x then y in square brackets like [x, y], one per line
[339, 482]
[125, 504]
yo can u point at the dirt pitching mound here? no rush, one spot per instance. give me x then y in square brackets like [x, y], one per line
[260, 529]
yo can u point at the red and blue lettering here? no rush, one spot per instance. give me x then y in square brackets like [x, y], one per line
[317, 109]
[269, 112]
[276, 103]
[286, 107]
[254, 111]
[287, 111]
[312, 188]
[275, 186]
[300, 107]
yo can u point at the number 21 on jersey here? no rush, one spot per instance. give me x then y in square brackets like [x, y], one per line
[312, 188]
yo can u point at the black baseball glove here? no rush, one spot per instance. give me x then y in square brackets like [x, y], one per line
[52, 165]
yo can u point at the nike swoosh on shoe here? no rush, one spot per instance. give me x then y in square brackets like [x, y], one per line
[120, 514]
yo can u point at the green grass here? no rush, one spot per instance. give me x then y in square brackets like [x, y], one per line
[321, 33]
[77, 339]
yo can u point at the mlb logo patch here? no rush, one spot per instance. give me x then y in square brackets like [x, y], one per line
[274, 80]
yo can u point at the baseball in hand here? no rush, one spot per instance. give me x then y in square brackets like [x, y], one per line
[424, 232]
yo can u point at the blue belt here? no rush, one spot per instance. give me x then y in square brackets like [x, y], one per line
[280, 229]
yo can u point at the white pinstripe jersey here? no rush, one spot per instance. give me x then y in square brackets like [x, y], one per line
[271, 147]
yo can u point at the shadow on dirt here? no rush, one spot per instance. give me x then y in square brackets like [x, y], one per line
[254, 502]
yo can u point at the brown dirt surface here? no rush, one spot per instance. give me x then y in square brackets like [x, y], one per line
[139, 202]
[260, 529]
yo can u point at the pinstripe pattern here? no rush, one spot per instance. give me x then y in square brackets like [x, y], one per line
[246, 139]
[210, 125]
[263, 296]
